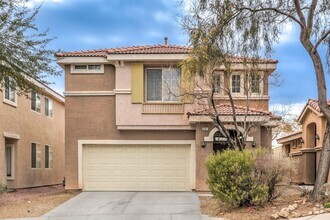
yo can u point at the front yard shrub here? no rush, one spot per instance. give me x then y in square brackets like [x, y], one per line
[246, 178]
[3, 188]
[230, 179]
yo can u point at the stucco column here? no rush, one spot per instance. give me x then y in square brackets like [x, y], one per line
[2, 162]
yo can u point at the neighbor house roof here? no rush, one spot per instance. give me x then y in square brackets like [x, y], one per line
[313, 105]
[226, 110]
[289, 137]
[148, 49]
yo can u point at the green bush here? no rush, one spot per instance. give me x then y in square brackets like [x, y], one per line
[230, 179]
[246, 178]
[3, 188]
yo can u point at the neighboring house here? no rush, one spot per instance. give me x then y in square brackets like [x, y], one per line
[124, 133]
[305, 145]
[32, 137]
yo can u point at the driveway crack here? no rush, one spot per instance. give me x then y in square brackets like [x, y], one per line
[130, 199]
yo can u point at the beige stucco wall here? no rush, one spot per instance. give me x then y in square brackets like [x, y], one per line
[32, 127]
[84, 122]
[97, 117]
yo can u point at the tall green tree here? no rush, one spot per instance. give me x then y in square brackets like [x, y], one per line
[249, 28]
[24, 56]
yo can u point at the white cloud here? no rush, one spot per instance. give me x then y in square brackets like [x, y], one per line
[32, 3]
[288, 33]
[288, 111]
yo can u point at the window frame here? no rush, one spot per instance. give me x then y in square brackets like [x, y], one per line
[146, 85]
[241, 86]
[49, 164]
[221, 83]
[38, 154]
[261, 85]
[87, 70]
[49, 111]
[35, 99]
[10, 90]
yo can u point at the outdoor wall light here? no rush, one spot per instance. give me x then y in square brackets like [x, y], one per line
[254, 144]
[317, 137]
[301, 140]
[203, 144]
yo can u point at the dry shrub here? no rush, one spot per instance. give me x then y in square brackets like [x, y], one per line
[247, 178]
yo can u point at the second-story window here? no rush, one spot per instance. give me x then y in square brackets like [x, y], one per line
[10, 93]
[255, 80]
[236, 84]
[217, 83]
[35, 101]
[48, 107]
[163, 84]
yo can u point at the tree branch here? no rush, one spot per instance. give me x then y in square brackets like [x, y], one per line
[302, 25]
[325, 35]
[310, 18]
[300, 14]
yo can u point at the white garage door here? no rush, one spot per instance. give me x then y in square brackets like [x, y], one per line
[136, 168]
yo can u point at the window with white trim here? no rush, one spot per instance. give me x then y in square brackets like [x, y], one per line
[48, 107]
[48, 156]
[35, 155]
[163, 84]
[256, 84]
[236, 83]
[10, 91]
[35, 101]
[87, 68]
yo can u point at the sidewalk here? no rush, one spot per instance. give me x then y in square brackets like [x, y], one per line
[325, 216]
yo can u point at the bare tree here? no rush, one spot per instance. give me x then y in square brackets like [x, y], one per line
[250, 28]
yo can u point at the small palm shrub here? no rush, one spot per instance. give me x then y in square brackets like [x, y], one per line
[246, 178]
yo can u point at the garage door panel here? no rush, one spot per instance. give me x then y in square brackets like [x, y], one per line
[136, 168]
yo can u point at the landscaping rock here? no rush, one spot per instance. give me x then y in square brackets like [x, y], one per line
[284, 213]
[292, 207]
[275, 216]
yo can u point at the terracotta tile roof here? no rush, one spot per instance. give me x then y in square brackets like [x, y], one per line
[315, 105]
[147, 49]
[226, 109]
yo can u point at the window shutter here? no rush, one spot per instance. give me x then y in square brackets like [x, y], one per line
[137, 82]
[187, 86]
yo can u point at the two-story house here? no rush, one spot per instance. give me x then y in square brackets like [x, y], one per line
[305, 145]
[125, 133]
[32, 137]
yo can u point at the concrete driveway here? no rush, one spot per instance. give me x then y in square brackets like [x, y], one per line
[129, 205]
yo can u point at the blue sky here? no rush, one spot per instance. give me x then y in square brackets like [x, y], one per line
[92, 24]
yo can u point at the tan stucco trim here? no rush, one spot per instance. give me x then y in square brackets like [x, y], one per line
[11, 135]
[122, 91]
[209, 138]
[89, 93]
[318, 148]
[146, 57]
[139, 142]
[78, 60]
[295, 154]
[243, 97]
[155, 127]
[307, 150]
[290, 137]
